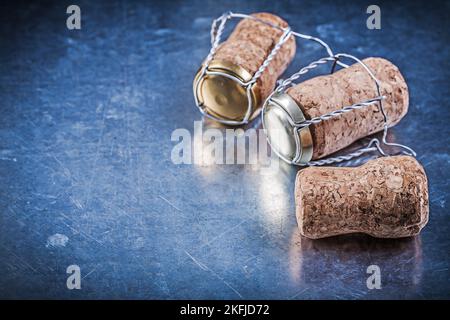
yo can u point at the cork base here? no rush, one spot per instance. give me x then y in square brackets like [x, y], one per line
[386, 198]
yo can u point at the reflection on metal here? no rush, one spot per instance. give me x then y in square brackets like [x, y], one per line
[400, 259]
[274, 199]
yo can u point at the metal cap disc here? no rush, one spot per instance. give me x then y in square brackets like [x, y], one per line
[280, 114]
[221, 94]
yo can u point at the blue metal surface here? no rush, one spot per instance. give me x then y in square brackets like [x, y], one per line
[86, 176]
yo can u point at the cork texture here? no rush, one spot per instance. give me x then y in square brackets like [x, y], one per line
[386, 198]
[249, 45]
[345, 87]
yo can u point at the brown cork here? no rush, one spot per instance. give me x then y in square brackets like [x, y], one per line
[249, 45]
[386, 198]
[345, 87]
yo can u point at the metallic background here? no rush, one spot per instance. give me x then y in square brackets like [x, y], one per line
[86, 176]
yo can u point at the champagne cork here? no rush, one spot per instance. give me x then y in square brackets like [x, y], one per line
[324, 94]
[240, 56]
[386, 198]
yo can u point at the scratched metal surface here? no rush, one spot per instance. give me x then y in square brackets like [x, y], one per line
[86, 176]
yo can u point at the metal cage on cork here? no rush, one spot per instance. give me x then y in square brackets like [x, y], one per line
[237, 87]
[242, 87]
[302, 152]
[300, 126]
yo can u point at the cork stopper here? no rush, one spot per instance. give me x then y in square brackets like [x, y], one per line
[386, 198]
[240, 56]
[325, 94]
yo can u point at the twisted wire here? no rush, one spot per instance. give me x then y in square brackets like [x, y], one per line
[339, 112]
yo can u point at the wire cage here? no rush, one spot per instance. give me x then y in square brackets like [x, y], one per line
[217, 30]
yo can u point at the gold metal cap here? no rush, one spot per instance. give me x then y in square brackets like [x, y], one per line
[293, 145]
[221, 93]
